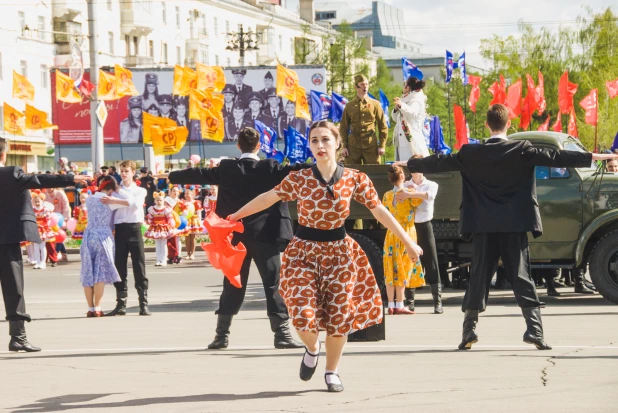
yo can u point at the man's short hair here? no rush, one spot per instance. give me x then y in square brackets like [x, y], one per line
[248, 139]
[104, 168]
[113, 168]
[144, 170]
[128, 164]
[3, 146]
[497, 117]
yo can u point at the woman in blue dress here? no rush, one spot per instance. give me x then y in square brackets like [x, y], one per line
[97, 250]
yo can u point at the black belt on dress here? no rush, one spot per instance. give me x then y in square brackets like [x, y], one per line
[320, 235]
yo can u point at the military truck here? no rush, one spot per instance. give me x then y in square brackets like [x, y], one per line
[579, 209]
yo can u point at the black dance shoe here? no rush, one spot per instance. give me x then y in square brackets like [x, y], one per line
[306, 372]
[333, 387]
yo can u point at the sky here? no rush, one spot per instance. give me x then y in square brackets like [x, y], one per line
[460, 25]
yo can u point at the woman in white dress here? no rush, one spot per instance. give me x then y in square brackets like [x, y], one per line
[409, 113]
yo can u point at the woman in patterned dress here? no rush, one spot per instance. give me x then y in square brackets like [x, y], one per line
[326, 280]
[399, 271]
[80, 213]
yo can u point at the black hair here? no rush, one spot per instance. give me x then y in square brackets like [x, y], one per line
[415, 84]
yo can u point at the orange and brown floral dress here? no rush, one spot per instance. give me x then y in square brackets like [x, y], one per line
[328, 285]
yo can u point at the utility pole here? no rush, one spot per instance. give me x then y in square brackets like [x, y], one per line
[98, 151]
[242, 41]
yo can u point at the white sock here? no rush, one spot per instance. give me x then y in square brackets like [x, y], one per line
[90, 308]
[399, 304]
[332, 378]
[97, 308]
[311, 360]
[391, 304]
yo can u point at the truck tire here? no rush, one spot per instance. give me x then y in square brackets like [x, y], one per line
[604, 266]
[374, 255]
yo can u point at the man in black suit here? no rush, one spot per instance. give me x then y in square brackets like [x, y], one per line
[238, 122]
[255, 110]
[290, 119]
[499, 208]
[239, 181]
[243, 91]
[19, 224]
[268, 86]
[275, 112]
[229, 95]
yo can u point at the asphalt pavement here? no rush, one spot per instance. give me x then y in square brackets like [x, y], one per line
[160, 363]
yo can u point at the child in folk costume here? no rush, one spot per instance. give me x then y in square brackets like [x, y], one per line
[98, 248]
[194, 222]
[399, 271]
[43, 212]
[161, 223]
[326, 280]
[210, 201]
[80, 213]
[174, 247]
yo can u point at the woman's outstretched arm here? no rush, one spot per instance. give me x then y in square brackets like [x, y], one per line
[258, 204]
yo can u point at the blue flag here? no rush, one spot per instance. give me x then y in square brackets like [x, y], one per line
[295, 146]
[436, 140]
[338, 104]
[410, 70]
[449, 66]
[385, 107]
[321, 105]
[461, 64]
[268, 137]
[615, 144]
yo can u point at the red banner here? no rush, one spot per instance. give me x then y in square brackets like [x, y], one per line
[73, 119]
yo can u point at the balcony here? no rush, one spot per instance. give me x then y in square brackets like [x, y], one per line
[265, 55]
[137, 61]
[136, 18]
[67, 9]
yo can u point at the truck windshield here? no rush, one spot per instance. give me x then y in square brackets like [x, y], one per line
[572, 144]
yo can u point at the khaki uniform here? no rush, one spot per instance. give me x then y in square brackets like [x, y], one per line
[363, 130]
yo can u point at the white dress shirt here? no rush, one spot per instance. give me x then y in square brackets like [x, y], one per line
[499, 136]
[249, 155]
[424, 212]
[134, 213]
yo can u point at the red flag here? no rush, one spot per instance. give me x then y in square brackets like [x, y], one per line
[533, 97]
[591, 104]
[498, 90]
[86, 88]
[526, 113]
[513, 99]
[612, 88]
[475, 92]
[540, 91]
[557, 126]
[461, 131]
[221, 253]
[572, 127]
[566, 91]
[544, 126]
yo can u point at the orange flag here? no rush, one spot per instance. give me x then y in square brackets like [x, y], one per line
[188, 81]
[168, 141]
[107, 87]
[65, 89]
[13, 120]
[210, 77]
[213, 126]
[287, 81]
[201, 100]
[22, 88]
[37, 119]
[572, 126]
[302, 106]
[179, 71]
[151, 121]
[124, 82]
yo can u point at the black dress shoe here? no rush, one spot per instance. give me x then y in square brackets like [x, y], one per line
[538, 342]
[224, 322]
[218, 343]
[469, 336]
[20, 343]
[306, 372]
[333, 387]
[534, 331]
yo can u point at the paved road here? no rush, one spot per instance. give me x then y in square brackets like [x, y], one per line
[159, 363]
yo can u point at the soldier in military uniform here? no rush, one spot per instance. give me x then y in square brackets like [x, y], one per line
[290, 119]
[242, 90]
[166, 106]
[151, 91]
[268, 86]
[255, 110]
[273, 110]
[363, 127]
[229, 94]
[237, 123]
[131, 127]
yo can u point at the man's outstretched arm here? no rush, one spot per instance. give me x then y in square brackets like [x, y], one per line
[433, 164]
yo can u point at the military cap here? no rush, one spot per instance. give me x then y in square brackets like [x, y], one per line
[239, 72]
[360, 78]
[272, 94]
[256, 96]
[152, 78]
[135, 102]
[237, 105]
[268, 75]
[164, 99]
[228, 89]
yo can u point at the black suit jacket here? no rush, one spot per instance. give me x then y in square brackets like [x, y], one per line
[231, 131]
[18, 220]
[499, 184]
[243, 95]
[240, 181]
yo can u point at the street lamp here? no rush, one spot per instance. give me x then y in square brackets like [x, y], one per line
[242, 41]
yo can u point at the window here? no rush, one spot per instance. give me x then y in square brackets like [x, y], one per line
[135, 46]
[216, 62]
[127, 41]
[22, 19]
[109, 4]
[204, 54]
[280, 42]
[177, 16]
[204, 32]
[163, 12]
[227, 26]
[292, 49]
[271, 37]
[164, 53]
[216, 27]
[545, 173]
[178, 55]
[23, 68]
[41, 28]
[151, 48]
[44, 76]
[110, 38]
[405, 46]
[325, 15]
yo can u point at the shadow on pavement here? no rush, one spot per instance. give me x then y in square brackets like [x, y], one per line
[77, 401]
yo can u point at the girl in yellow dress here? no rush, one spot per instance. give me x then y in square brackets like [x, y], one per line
[80, 213]
[399, 271]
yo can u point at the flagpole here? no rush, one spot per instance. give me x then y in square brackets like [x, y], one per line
[450, 136]
[144, 151]
[596, 126]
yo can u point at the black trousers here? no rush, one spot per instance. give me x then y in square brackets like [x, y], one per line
[129, 241]
[487, 249]
[268, 262]
[429, 259]
[12, 282]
